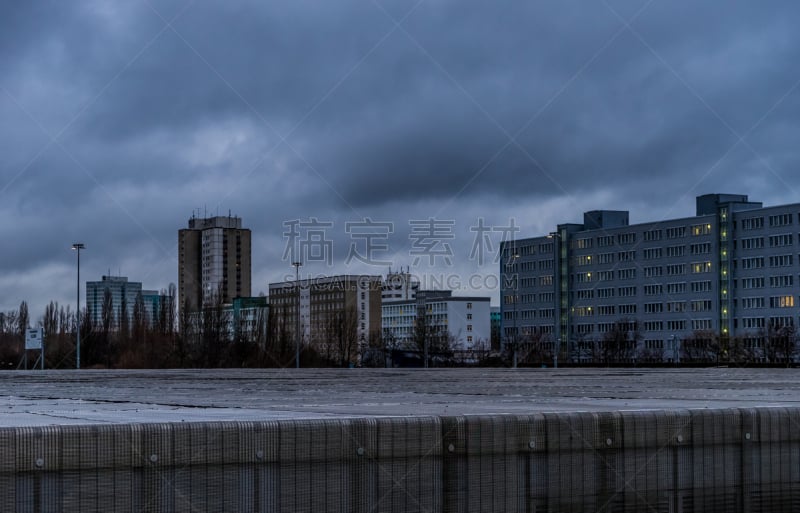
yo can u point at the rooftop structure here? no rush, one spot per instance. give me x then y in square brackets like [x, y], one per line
[399, 286]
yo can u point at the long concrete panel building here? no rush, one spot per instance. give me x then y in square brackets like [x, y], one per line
[705, 287]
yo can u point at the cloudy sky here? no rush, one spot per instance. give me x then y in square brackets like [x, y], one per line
[120, 120]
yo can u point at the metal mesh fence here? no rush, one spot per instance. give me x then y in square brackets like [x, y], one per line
[744, 460]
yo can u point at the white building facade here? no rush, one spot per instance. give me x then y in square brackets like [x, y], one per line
[465, 321]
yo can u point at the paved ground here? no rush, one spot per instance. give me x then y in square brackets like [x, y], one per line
[36, 398]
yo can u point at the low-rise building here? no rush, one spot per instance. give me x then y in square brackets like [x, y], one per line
[447, 322]
[337, 314]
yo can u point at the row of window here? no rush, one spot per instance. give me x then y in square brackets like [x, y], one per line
[757, 222]
[762, 322]
[679, 251]
[530, 265]
[545, 248]
[750, 303]
[699, 305]
[676, 232]
[649, 272]
[655, 289]
[758, 262]
[676, 325]
[669, 326]
[775, 261]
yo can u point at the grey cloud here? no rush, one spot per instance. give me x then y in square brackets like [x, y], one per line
[380, 121]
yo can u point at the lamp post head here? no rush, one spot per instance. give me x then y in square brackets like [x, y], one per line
[78, 245]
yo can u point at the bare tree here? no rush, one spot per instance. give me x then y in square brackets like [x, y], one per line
[139, 317]
[430, 340]
[23, 320]
[59, 324]
[103, 352]
[387, 344]
[90, 351]
[343, 336]
[650, 355]
[741, 352]
[702, 346]
[50, 321]
[619, 344]
[781, 344]
[214, 336]
[139, 346]
[279, 349]
[10, 347]
[535, 349]
[186, 333]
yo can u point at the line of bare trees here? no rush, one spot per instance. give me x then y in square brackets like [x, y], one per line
[213, 338]
[624, 344]
[429, 345]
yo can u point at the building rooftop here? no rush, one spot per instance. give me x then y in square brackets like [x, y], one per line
[40, 398]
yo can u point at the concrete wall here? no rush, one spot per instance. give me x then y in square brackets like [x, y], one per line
[731, 460]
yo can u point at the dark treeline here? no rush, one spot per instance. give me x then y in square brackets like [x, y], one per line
[214, 338]
[143, 339]
[624, 345]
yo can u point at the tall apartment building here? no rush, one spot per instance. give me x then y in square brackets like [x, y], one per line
[732, 270]
[123, 294]
[213, 258]
[119, 288]
[463, 321]
[326, 305]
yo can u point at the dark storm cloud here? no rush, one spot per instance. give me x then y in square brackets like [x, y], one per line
[288, 110]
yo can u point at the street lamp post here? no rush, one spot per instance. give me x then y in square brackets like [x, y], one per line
[297, 314]
[78, 247]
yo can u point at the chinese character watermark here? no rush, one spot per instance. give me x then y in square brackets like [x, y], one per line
[429, 238]
[482, 241]
[307, 241]
[375, 237]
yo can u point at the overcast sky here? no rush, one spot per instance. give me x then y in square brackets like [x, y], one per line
[119, 120]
